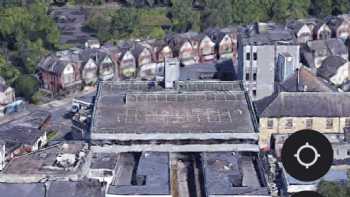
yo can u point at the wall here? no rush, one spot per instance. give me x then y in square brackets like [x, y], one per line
[264, 67]
[341, 76]
[2, 156]
[299, 123]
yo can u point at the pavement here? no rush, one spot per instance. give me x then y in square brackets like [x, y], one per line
[59, 109]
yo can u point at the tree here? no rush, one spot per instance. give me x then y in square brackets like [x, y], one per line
[183, 17]
[247, 11]
[28, 32]
[217, 13]
[7, 71]
[331, 189]
[123, 23]
[340, 6]
[26, 86]
[321, 8]
[30, 53]
[286, 9]
[101, 24]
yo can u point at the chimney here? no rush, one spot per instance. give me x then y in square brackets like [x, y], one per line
[298, 79]
[172, 72]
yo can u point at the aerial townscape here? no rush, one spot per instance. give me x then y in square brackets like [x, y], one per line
[171, 98]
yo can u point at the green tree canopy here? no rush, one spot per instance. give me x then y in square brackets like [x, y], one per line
[183, 17]
[331, 189]
[26, 86]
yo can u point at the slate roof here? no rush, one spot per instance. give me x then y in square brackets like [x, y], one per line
[85, 188]
[332, 46]
[266, 34]
[43, 163]
[159, 44]
[95, 54]
[318, 26]
[35, 119]
[53, 64]
[137, 49]
[19, 134]
[177, 40]
[56, 63]
[330, 66]
[295, 26]
[25, 130]
[22, 190]
[334, 22]
[308, 104]
[303, 80]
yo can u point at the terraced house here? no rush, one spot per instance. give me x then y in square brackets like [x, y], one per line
[60, 72]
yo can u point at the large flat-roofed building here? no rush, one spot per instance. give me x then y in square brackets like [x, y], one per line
[195, 115]
[233, 174]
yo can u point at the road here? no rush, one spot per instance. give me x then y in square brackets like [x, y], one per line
[59, 108]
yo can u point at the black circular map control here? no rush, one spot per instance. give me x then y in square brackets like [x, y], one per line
[307, 194]
[307, 155]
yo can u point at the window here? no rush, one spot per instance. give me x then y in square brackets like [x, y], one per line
[270, 124]
[329, 124]
[289, 123]
[254, 92]
[247, 76]
[309, 123]
[347, 122]
[255, 56]
[348, 152]
[248, 56]
[68, 78]
[254, 76]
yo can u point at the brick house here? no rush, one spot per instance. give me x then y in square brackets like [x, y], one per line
[161, 50]
[142, 54]
[322, 31]
[301, 30]
[88, 68]
[60, 73]
[106, 67]
[126, 61]
[225, 42]
[182, 48]
[339, 26]
[206, 49]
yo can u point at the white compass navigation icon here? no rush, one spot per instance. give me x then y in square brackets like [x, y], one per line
[305, 164]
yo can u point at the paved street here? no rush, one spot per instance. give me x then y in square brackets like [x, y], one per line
[59, 108]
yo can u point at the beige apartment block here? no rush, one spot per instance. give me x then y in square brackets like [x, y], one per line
[290, 112]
